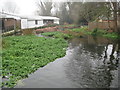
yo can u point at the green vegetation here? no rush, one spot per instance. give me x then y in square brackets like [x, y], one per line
[58, 35]
[81, 32]
[104, 33]
[45, 26]
[96, 31]
[82, 29]
[68, 25]
[22, 55]
[111, 35]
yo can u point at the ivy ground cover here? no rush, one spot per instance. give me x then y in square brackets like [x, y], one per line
[57, 35]
[22, 55]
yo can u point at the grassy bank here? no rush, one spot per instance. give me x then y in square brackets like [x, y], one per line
[22, 55]
[58, 35]
[105, 33]
[97, 32]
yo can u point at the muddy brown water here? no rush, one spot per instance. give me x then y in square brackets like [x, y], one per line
[90, 62]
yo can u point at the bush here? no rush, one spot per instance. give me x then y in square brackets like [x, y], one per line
[57, 35]
[97, 31]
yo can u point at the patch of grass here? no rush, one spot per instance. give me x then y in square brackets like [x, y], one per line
[82, 29]
[68, 25]
[57, 35]
[77, 30]
[98, 32]
[50, 34]
[111, 35]
[45, 26]
[104, 33]
[25, 54]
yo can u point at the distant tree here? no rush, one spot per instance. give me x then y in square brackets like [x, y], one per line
[118, 17]
[74, 11]
[44, 8]
[62, 10]
[87, 11]
[91, 11]
[10, 7]
[114, 11]
[64, 13]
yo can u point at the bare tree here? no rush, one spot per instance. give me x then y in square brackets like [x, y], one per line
[62, 10]
[44, 8]
[113, 5]
[10, 7]
[118, 17]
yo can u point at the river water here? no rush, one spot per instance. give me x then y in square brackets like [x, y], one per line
[90, 62]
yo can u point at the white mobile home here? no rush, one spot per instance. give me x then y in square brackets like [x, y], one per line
[37, 21]
[30, 22]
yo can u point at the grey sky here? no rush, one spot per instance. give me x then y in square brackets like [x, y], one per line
[28, 7]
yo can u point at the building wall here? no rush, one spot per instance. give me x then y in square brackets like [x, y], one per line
[18, 24]
[24, 23]
[47, 21]
[32, 24]
[9, 24]
[56, 21]
[12, 22]
[1, 24]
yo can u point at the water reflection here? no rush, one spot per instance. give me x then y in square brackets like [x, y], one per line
[94, 62]
[90, 62]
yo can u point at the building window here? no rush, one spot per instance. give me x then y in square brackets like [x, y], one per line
[48, 21]
[36, 22]
[5, 19]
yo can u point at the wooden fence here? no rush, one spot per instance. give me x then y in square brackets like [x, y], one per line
[100, 25]
[9, 24]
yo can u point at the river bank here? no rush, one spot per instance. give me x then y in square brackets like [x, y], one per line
[22, 55]
[90, 62]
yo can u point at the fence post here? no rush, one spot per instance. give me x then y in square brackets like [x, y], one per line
[14, 27]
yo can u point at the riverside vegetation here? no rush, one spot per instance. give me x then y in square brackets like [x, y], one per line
[81, 32]
[22, 55]
[96, 31]
[58, 34]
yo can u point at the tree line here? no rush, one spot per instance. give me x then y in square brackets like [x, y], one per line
[82, 12]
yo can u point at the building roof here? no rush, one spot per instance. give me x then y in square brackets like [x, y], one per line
[10, 15]
[49, 17]
[31, 17]
[39, 17]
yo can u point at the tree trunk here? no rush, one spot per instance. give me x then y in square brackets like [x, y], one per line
[119, 18]
[109, 28]
[115, 16]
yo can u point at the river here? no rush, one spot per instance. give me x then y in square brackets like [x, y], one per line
[90, 62]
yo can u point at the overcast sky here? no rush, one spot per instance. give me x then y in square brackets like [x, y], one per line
[28, 7]
[25, 7]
